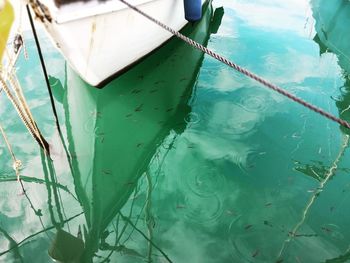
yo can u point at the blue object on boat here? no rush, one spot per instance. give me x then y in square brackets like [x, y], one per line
[193, 10]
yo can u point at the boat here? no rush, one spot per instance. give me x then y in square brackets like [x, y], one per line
[114, 136]
[6, 20]
[115, 132]
[102, 39]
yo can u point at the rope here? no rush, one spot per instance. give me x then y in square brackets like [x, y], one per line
[42, 142]
[44, 69]
[240, 69]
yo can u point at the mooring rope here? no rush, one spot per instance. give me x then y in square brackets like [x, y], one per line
[240, 69]
[38, 137]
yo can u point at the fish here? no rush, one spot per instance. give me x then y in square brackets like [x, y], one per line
[247, 227]
[255, 253]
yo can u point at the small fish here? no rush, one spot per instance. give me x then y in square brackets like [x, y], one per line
[247, 227]
[279, 261]
[268, 204]
[106, 172]
[170, 109]
[332, 208]
[180, 206]
[136, 91]
[129, 115]
[256, 252]
[153, 90]
[138, 145]
[139, 108]
[183, 79]
[267, 223]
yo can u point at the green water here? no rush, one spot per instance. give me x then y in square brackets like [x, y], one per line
[183, 160]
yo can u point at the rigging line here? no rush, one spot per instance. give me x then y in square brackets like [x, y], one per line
[44, 69]
[36, 212]
[241, 69]
[49, 91]
[145, 237]
[50, 94]
[35, 234]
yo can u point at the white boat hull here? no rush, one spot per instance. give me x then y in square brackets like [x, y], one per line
[102, 45]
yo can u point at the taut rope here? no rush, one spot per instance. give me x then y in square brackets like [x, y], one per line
[239, 68]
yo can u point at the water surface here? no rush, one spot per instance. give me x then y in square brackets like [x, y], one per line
[184, 160]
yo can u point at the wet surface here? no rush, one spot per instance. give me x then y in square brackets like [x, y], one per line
[183, 160]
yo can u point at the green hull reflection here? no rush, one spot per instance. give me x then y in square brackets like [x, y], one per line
[115, 132]
[332, 26]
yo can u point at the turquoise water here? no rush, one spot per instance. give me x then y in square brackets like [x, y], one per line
[182, 159]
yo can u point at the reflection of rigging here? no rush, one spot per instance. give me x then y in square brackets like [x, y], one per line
[330, 173]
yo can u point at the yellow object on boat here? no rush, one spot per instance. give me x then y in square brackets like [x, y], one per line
[6, 19]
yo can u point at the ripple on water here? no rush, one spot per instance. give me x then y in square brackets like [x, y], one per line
[192, 118]
[253, 103]
[229, 118]
[246, 159]
[254, 241]
[203, 210]
[204, 180]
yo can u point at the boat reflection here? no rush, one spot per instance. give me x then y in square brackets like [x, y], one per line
[332, 20]
[114, 134]
[333, 35]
